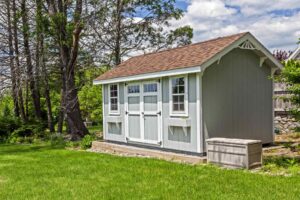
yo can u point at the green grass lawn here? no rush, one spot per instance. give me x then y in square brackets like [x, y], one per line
[42, 172]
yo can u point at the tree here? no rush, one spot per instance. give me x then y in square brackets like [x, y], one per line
[67, 36]
[40, 60]
[90, 96]
[281, 55]
[33, 85]
[11, 62]
[122, 27]
[291, 76]
[17, 62]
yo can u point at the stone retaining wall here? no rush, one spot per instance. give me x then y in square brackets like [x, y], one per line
[285, 124]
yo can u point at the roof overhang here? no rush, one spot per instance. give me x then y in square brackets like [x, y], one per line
[248, 41]
[294, 54]
[152, 75]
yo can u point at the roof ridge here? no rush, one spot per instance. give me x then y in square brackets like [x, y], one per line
[193, 44]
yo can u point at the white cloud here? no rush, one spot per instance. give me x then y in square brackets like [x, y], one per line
[208, 9]
[264, 18]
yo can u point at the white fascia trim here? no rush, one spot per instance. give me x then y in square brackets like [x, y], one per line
[294, 54]
[236, 44]
[160, 74]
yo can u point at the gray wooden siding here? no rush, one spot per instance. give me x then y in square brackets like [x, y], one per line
[175, 137]
[237, 98]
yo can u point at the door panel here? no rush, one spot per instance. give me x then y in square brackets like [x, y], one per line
[134, 126]
[151, 128]
[150, 103]
[133, 103]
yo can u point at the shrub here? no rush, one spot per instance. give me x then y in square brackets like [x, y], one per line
[7, 126]
[72, 144]
[86, 142]
[57, 140]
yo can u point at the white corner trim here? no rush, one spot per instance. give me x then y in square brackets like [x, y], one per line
[160, 74]
[186, 97]
[103, 115]
[198, 112]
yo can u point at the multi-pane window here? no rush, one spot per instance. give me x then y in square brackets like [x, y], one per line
[178, 94]
[150, 87]
[113, 98]
[133, 89]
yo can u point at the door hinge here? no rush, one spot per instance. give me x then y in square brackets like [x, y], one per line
[126, 112]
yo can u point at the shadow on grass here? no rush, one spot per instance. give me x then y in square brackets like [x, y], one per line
[6, 149]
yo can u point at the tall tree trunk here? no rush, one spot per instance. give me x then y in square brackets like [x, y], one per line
[40, 60]
[61, 117]
[12, 64]
[32, 84]
[117, 49]
[68, 56]
[18, 70]
[46, 90]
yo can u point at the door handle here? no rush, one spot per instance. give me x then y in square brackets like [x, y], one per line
[159, 113]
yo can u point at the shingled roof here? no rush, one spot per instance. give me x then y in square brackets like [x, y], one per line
[176, 58]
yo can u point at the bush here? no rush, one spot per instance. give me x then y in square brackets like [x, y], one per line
[57, 140]
[86, 142]
[7, 126]
[72, 144]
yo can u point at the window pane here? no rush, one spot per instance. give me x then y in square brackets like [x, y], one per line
[181, 81]
[114, 93]
[114, 107]
[113, 87]
[175, 90]
[175, 99]
[152, 87]
[113, 101]
[133, 89]
[181, 107]
[181, 98]
[174, 81]
[181, 89]
[175, 107]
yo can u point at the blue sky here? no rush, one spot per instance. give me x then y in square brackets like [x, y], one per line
[276, 23]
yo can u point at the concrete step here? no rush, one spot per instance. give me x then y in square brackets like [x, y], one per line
[126, 150]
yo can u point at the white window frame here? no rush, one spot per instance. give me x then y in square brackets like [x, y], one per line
[184, 113]
[114, 112]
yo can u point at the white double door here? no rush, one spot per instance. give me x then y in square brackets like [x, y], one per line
[143, 112]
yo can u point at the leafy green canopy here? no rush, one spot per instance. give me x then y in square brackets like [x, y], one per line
[291, 75]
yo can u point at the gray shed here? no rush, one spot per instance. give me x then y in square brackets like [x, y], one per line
[177, 98]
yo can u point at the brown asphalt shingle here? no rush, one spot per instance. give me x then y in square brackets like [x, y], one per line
[181, 57]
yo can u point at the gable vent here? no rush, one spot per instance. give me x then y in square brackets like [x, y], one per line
[247, 45]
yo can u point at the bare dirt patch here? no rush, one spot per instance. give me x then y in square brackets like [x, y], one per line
[287, 145]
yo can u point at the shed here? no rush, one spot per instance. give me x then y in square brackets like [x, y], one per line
[177, 98]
